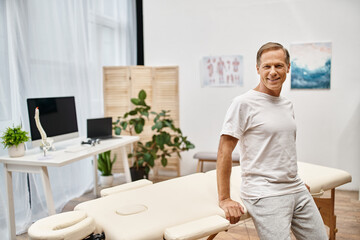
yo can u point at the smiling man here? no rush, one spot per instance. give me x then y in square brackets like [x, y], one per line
[262, 123]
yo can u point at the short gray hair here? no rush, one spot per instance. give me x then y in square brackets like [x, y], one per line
[272, 46]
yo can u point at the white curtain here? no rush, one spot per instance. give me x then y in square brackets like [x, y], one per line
[57, 48]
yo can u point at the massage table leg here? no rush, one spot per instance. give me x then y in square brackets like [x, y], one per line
[211, 237]
[327, 210]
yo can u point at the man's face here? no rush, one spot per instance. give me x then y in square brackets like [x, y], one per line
[272, 70]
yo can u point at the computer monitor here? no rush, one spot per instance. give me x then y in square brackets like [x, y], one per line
[99, 128]
[57, 117]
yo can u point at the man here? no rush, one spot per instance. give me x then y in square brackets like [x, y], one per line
[263, 124]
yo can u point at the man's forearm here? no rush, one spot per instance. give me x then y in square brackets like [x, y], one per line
[232, 209]
[223, 175]
[224, 164]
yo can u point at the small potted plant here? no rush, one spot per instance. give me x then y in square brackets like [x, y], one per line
[105, 165]
[14, 139]
[167, 140]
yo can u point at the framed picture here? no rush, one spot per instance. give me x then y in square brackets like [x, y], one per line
[222, 71]
[310, 65]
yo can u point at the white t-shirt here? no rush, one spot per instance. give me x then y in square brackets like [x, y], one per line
[266, 129]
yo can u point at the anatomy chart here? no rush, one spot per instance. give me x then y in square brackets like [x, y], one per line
[222, 71]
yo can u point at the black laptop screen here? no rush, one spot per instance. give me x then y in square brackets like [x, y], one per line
[99, 128]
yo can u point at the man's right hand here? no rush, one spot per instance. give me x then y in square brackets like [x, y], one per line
[233, 210]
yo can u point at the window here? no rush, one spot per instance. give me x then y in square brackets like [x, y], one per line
[105, 25]
[5, 94]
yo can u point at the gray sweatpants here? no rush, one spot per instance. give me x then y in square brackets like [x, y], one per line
[275, 216]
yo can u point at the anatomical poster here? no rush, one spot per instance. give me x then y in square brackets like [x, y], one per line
[222, 71]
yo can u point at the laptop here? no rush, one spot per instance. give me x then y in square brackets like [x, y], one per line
[99, 128]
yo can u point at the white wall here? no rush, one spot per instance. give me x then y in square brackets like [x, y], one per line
[181, 32]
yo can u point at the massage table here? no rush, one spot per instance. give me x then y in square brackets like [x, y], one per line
[181, 208]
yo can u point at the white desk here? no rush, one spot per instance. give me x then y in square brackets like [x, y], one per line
[30, 163]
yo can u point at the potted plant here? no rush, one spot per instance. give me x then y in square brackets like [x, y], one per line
[105, 165]
[166, 140]
[14, 139]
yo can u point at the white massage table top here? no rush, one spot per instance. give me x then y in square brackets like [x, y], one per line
[64, 226]
[169, 203]
[320, 178]
[147, 212]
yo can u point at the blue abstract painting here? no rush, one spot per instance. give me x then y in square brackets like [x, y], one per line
[310, 65]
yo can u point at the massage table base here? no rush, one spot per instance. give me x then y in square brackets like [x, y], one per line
[326, 207]
[211, 237]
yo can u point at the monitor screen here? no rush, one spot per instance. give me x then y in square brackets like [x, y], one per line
[57, 118]
[100, 128]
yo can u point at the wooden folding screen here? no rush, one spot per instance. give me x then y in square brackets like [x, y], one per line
[161, 85]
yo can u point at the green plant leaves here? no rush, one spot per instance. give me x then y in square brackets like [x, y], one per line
[158, 125]
[14, 136]
[159, 139]
[163, 161]
[145, 113]
[135, 101]
[124, 125]
[149, 158]
[142, 95]
[133, 112]
[166, 140]
[139, 128]
[105, 163]
[117, 130]
[190, 145]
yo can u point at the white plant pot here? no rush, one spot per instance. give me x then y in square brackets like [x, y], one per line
[17, 151]
[106, 181]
